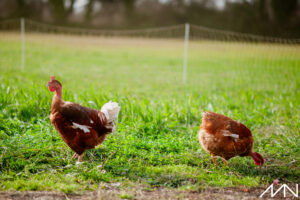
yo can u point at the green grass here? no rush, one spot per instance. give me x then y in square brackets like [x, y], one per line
[156, 140]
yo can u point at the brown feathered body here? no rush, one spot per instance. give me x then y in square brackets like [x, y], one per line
[81, 128]
[221, 136]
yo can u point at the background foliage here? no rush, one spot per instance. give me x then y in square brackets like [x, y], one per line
[264, 17]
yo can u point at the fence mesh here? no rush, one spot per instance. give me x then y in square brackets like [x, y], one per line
[158, 52]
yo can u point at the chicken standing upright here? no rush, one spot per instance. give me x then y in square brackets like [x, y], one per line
[221, 136]
[81, 128]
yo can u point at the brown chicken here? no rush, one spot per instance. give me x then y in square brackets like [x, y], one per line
[221, 136]
[80, 127]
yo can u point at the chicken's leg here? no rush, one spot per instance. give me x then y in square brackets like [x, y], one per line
[75, 155]
[225, 161]
[80, 158]
[213, 158]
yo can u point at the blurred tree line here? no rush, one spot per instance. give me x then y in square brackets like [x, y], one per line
[264, 17]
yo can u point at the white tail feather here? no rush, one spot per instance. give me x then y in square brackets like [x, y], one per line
[110, 110]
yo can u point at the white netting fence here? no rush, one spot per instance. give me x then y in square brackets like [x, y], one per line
[214, 47]
[32, 26]
[177, 31]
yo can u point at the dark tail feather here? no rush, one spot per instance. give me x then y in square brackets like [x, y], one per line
[258, 159]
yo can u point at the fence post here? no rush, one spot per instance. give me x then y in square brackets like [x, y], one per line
[22, 43]
[186, 46]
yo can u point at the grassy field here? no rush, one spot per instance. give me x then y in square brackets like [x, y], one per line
[155, 144]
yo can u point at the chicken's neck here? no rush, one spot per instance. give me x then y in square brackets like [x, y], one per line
[56, 101]
[59, 93]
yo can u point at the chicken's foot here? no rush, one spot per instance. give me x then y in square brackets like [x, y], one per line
[80, 158]
[213, 158]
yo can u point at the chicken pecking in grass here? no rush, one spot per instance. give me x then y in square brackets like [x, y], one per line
[81, 128]
[221, 136]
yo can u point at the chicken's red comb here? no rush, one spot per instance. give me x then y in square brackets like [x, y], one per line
[52, 78]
